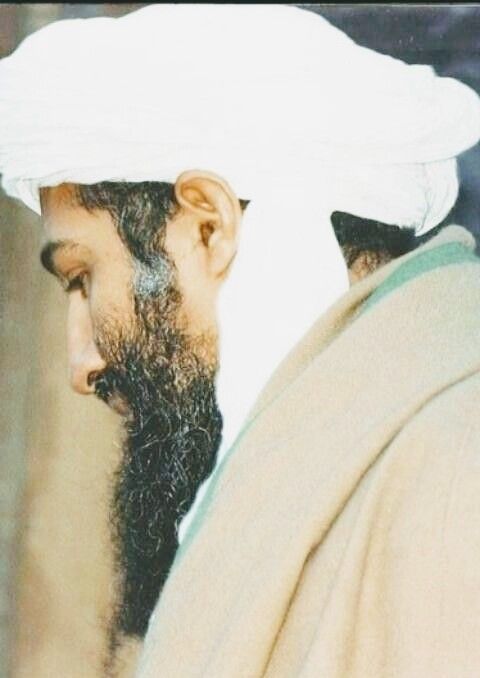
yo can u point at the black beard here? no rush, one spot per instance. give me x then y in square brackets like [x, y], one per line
[173, 433]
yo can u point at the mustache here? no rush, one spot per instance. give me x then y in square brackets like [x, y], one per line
[105, 385]
[131, 382]
[106, 390]
[117, 380]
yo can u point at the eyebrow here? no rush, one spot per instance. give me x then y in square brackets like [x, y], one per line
[47, 255]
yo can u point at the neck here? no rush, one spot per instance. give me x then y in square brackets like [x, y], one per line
[365, 264]
[289, 269]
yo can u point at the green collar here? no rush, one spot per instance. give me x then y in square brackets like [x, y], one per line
[443, 255]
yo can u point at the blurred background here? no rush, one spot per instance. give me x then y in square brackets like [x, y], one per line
[57, 451]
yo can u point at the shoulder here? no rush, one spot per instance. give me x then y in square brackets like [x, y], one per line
[425, 535]
[432, 468]
[448, 425]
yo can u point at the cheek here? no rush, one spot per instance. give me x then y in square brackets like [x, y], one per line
[197, 308]
[196, 286]
[110, 299]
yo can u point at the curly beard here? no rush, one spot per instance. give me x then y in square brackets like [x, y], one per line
[172, 436]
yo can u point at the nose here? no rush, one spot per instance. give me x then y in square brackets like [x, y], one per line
[85, 362]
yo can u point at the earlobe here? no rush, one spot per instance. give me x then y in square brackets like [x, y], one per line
[216, 213]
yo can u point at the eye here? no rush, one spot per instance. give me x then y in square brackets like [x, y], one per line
[78, 282]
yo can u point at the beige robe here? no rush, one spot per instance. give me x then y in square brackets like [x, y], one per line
[341, 537]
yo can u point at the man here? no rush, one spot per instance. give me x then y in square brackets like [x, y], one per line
[339, 535]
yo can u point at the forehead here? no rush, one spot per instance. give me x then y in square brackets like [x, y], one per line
[92, 237]
[64, 219]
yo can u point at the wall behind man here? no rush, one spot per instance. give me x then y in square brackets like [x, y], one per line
[56, 448]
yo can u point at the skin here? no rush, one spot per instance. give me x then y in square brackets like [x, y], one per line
[364, 264]
[84, 251]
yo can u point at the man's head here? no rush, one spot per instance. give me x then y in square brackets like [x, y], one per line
[112, 245]
[142, 265]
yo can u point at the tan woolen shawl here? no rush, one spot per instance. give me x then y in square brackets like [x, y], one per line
[342, 538]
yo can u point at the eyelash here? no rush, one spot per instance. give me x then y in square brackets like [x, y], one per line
[77, 283]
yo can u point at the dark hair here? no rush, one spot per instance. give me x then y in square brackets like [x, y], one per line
[140, 212]
[381, 242]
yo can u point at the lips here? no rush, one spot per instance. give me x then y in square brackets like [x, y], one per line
[118, 405]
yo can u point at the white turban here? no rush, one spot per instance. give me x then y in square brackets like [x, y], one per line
[298, 119]
[249, 91]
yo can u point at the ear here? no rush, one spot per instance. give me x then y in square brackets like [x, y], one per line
[216, 214]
